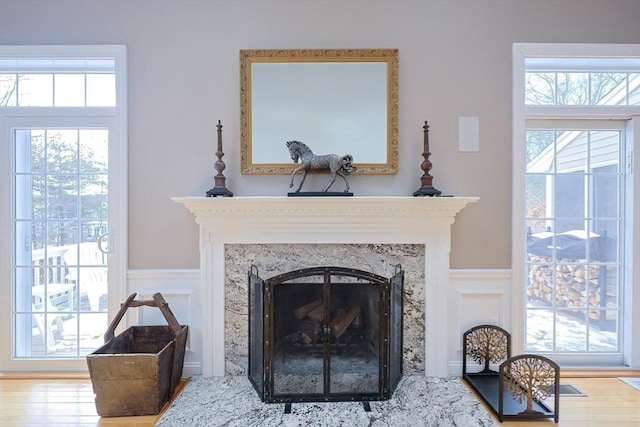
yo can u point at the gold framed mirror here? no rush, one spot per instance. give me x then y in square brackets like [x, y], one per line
[336, 101]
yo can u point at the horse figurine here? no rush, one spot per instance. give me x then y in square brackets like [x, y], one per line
[337, 165]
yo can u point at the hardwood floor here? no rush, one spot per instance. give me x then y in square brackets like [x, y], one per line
[59, 402]
[609, 403]
[34, 402]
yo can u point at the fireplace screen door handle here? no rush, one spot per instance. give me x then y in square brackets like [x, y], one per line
[326, 330]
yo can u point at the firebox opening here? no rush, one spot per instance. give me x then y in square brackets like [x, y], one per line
[350, 324]
[325, 334]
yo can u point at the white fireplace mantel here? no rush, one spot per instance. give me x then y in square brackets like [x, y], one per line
[325, 220]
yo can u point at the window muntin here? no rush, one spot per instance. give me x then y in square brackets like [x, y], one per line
[573, 218]
[57, 90]
[581, 88]
[61, 178]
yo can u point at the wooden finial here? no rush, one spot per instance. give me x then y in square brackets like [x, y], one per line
[426, 180]
[219, 188]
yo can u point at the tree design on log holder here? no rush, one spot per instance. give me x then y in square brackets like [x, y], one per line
[487, 345]
[219, 188]
[529, 377]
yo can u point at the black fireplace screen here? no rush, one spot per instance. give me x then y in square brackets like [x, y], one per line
[325, 333]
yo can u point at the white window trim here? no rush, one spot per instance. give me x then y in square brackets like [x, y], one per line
[9, 116]
[630, 335]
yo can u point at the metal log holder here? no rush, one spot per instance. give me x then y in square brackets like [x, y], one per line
[524, 387]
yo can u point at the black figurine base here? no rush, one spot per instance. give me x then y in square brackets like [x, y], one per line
[219, 192]
[319, 194]
[427, 191]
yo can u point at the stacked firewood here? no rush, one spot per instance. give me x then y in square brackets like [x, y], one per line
[577, 284]
[311, 316]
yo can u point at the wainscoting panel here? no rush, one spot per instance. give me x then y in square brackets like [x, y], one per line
[476, 297]
[182, 291]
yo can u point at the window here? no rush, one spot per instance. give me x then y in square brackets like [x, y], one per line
[574, 112]
[63, 123]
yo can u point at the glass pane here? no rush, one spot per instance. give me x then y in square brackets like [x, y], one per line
[571, 330]
[62, 233]
[536, 199]
[298, 360]
[92, 230]
[570, 285]
[569, 202]
[35, 90]
[30, 335]
[539, 146]
[38, 154]
[602, 330]
[608, 89]
[26, 279]
[93, 196]
[86, 267]
[634, 89]
[62, 200]
[540, 288]
[38, 198]
[8, 90]
[537, 228]
[596, 285]
[604, 151]
[92, 329]
[355, 338]
[605, 190]
[101, 90]
[573, 88]
[62, 152]
[604, 246]
[36, 234]
[604, 284]
[23, 187]
[29, 155]
[539, 327]
[572, 148]
[540, 88]
[94, 150]
[69, 90]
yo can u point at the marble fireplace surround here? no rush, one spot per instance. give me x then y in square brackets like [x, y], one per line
[325, 220]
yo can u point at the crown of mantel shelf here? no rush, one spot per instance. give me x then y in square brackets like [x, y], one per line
[344, 206]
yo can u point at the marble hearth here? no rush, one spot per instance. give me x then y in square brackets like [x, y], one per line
[401, 226]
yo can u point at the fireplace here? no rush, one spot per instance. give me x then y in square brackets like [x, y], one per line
[424, 221]
[325, 334]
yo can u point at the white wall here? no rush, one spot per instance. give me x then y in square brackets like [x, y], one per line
[455, 60]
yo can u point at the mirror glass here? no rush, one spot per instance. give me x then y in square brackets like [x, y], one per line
[336, 101]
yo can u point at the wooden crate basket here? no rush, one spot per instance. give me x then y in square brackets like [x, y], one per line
[136, 372]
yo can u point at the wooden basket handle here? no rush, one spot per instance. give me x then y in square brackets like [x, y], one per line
[157, 301]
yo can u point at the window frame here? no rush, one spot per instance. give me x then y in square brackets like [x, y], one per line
[629, 335]
[54, 116]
